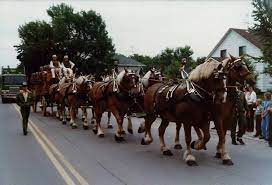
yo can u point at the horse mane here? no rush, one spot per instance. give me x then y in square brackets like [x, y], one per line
[121, 75]
[204, 70]
[146, 78]
[225, 62]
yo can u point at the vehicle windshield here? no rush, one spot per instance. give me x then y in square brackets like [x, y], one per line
[16, 80]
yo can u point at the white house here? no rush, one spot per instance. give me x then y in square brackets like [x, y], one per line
[238, 42]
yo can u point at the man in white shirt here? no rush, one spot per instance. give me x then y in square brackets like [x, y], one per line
[251, 98]
[55, 67]
[67, 67]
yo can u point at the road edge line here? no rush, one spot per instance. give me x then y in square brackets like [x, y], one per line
[68, 180]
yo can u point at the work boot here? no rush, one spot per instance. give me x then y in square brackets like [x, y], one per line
[240, 140]
[234, 142]
[25, 131]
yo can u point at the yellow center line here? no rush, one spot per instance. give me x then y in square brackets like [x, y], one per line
[40, 136]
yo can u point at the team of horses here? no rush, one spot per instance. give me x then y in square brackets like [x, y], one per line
[126, 93]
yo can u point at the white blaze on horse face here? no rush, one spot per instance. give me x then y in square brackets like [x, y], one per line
[226, 93]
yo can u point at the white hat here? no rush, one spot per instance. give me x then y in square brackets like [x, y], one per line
[54, 56]
[65, 56]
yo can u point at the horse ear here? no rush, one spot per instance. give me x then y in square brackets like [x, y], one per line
[232, 57]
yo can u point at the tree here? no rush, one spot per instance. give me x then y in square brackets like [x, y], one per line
[168, 61]
[36, 45]
[82, 35]
[144, 59]
[262, 27]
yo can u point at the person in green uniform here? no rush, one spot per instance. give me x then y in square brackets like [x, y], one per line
[25, 100]
[240, 117]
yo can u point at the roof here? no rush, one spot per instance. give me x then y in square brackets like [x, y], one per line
[124, 61]
[249, 36]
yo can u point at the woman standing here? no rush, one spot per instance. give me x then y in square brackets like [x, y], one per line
[266, 116]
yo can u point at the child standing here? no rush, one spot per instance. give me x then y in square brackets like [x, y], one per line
[258, 117]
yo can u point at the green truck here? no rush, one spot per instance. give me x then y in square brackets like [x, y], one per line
[11, 80]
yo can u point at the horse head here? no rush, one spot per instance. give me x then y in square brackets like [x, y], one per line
[237, 71]
[209, 80]
[128, 81]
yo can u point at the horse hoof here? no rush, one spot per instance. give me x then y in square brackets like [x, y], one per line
[227, 162]
[218, 155]
[167, 153]
[193, 144]
[130, 131]
[178, 147]
[101, 135]
[94, 131]
[82, 119]
[110, 126]
[64, 122]
[191, 163]
[119, 139]
[85, 127]
[140, 130]
[143, 142]
[74, 126]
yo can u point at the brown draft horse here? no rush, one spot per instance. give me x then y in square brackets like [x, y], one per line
[150, 78]
[208, 79]
[236, 71]
[115, 96]
[77, 97]
[36, 84]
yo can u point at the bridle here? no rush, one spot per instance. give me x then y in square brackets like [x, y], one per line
[201, 92]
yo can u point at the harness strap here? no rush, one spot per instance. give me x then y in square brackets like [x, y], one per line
[159, 90]
[171, 91]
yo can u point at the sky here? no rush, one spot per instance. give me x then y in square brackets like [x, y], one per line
[143, 27]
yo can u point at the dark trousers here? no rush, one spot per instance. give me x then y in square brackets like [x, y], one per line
[250, 119]
[241, 121]
[25, 111]
[258, 125]
[270, 131]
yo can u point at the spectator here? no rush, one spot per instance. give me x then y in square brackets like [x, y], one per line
[270, 129]
[266, 116]
[240, 117]
[258, 118]
[251, 101]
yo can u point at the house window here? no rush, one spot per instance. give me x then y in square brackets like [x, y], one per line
[242, 50]
[223, 53]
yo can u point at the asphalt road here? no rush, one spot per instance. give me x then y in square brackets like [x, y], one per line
[102, 161]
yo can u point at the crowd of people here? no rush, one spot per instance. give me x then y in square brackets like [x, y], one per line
[252, 114]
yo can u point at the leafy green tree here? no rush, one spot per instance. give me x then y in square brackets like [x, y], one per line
[172, 70]
[168, 61]
[144, 59]
[82, 35]
[262, 27]
[36, 45]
